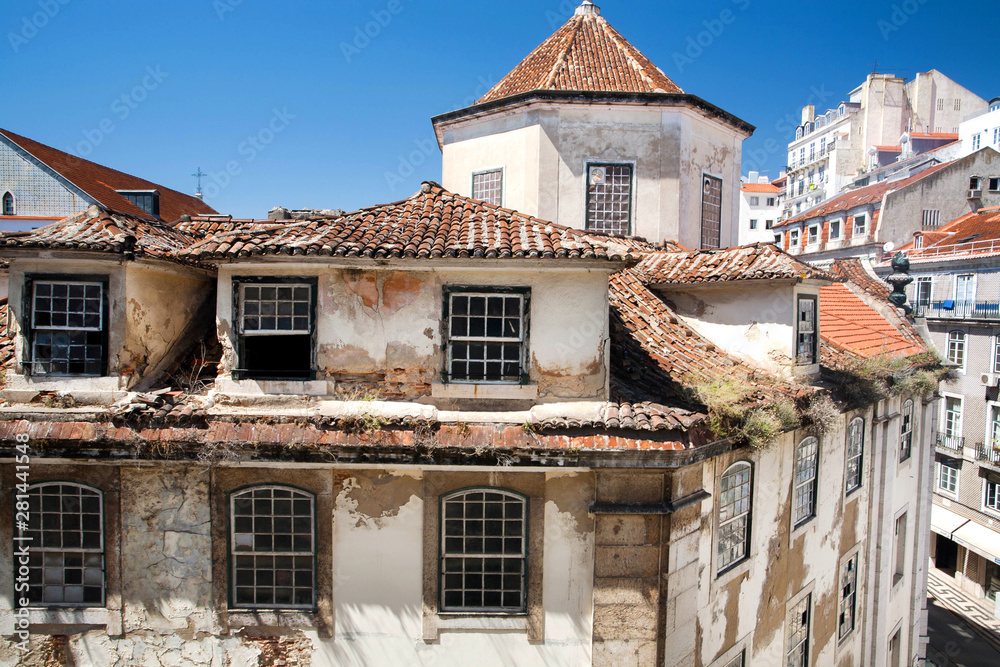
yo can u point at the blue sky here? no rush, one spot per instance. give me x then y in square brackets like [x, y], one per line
[281, 103]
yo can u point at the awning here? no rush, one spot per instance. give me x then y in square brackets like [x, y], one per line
[944, 521]
[984, 541]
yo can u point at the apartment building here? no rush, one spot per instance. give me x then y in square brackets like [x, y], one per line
[761, 203]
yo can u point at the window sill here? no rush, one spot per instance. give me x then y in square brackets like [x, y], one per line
[87, 390]
[275, 387]
[525, 392]
[245, 618]
[111, 619]
[459, 621]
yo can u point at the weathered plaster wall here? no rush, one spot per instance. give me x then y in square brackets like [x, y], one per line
[385, 328]
[670, 149]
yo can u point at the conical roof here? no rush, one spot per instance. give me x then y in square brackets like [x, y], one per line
[586, 54]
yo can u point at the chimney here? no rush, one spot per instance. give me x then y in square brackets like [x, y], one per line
[808, 113]
[753, 177]
[588, 8]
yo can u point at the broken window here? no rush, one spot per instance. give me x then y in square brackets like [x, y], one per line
[483, 551]
[906, 432]
[735, 502]
[848, 596]
[272, 549]
[798, 633]
[487, 186]
[711, 213]
[487, 335]
[806, 465]
[609, 198]
[855, 449]
[276, 330]
[65, 533]
[68, 335]
[806, 331]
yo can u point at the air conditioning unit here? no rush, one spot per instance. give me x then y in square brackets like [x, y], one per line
[990, 380]
[975, 194]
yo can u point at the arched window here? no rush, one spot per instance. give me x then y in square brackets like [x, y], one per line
[806, 468]
[855, 451]
[956, 348]
[483, 551]
[272, 533]
[735, 507]
[8, 204]
[906, 432]
[66, 545]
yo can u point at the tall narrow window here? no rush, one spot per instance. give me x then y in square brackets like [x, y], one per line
[66, 539]
[483, 551]
[953, 426]
[991, 494]
[925, 287]
[8, 204]
[896, 649]
[67, 328]
[487, 186]
[806, 328]
[834, 229]
[487, 334]
[711, 213]
[798, 633]
[996, 354]
[947, 479]
[848, 596]
[276, 327]
[855, 451]
[900, 549]
[609, 198]
[860, 225]
[931, 218]
[906, 431]
[806, 465]
[956, 348]
[272, 551]
[735, 505]
[965, 293]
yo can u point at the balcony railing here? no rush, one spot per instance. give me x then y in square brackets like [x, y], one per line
[959, 310]
[956, 250]
[988, 453]
[949, 442]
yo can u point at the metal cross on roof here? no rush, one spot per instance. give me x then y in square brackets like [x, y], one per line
[199, 175]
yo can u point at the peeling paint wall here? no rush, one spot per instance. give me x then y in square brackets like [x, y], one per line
[383, 329]
[545, 147]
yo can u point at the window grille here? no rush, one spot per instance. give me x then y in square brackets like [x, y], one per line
[67, 328]
[855, 450]
[711, 213]
[798, 634]
[486, 337]
[735, 500]
[906, 432]
[609, 199]
[487, 187]
[848, 596]
[806, 465]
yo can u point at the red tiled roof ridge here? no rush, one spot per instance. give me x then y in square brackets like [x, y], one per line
[756, 261]
[585, 54]
[94, 179]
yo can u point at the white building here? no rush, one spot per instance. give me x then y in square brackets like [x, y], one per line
[761, 204]
[981, 131]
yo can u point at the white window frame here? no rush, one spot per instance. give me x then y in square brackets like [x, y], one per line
[730, 498]
[923, 280]
[755, 201]
[805, 483]
[863, 225]
[813, 238]
[958, 343]
[977, 141]
[276, 331]
[996, 353]
[968, 279]
[840, 223]
[961, 414]
[991, 436]
[855, 450]
[235, 553]
[502, 170]
[793, 240]
[988, 481]
[955, 476]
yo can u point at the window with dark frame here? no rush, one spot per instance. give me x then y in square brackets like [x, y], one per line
[8, 204]
[272, 548]
[276, 330]
[487, 334]
[855, 451]
[906, 432]
[66, 536]
[900, 549]
[806, 328]
[609, 198]
[483, 566]
[487, 186]
[68, 335]
[735, 506]
[739, 660]
[806, 469]
[147, 200]
[711, 213]
[848, 596]
[798, 633]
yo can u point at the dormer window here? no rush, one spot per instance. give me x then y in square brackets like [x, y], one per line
[147, 200]
[68, 333]
[860, 225]
[813, 234]
[8, 204]
[487, 335]
[276, 329]
[794, 238]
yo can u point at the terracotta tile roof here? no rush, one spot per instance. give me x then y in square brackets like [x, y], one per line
[761, 187]
[586, 54]
[972, 235]
[752, 262]
[872, 194]
[204, 226]
[933, 135]
[849, 324]
[103, 231]
[102, 183]
[889, 149]
[851, 269]
[433, 223]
